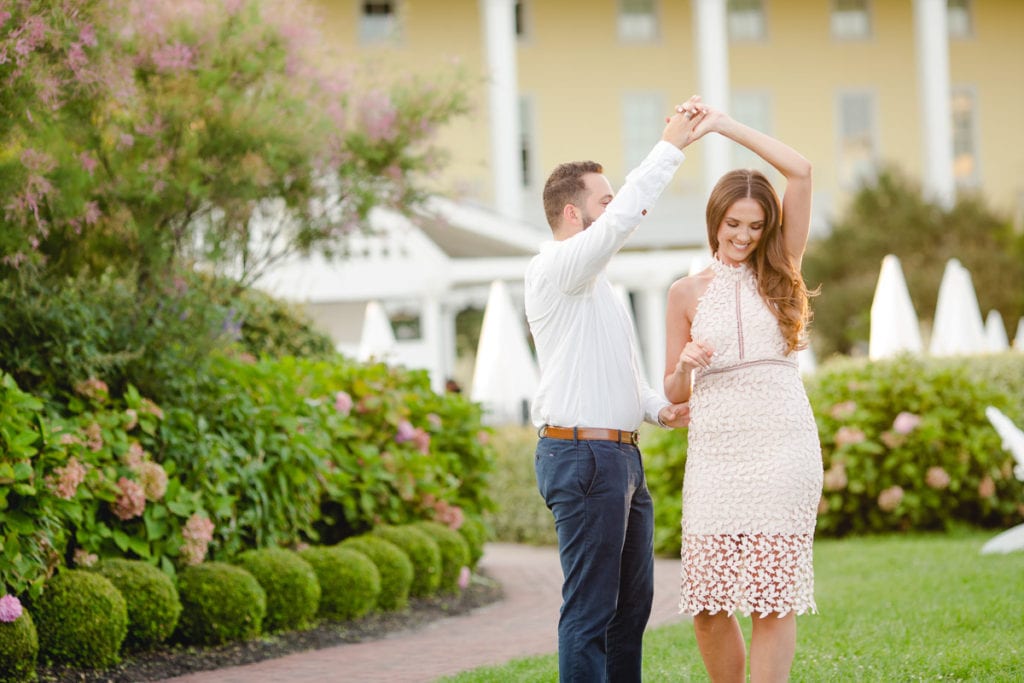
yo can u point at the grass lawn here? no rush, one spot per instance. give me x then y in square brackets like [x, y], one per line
[891, 608]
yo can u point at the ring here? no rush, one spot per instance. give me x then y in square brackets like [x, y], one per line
[688, 114]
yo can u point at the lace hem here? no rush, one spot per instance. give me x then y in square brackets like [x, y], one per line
[747, 573]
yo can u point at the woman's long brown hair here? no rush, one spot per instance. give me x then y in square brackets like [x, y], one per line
[778, 280]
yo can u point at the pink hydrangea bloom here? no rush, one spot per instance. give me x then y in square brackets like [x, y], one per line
[483, 438]
[343, 402]
[10, 608]
[986, 487]
[197, 532]
[152, 408]
[153, 479]
[905, 422]
[435, 420]
[464, 575]
[94, 389]
[422, 440]
[83, 558]
[132, 501]
[937, 478]
[890, 498]
[133, 419]
[892, 439]
[848, 436]
[835, 477]
[64, 481]
[378, 115]
[842, 411]
[94, 437]
[135, 455]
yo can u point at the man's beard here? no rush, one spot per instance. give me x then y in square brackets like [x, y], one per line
[587, 220]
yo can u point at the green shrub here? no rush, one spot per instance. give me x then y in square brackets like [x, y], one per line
[474, 530]
[392, 563]
[291, 585]
[349, 581]
[424, 553]
[19, 647]
[220, 603]
[520, 515]
[664, 459]
[81, 619]
[454, 553]
[151, 599]
[907, 445]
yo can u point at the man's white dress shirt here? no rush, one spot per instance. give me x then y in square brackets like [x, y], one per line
[586, 346]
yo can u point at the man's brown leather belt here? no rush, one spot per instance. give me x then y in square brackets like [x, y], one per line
[589, 434]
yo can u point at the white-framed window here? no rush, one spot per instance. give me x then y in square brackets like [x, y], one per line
[965, 136]
[643, 118]
[858, 147]
[960, 18]
[850, 19]
[753, 108]
[637, 21]
[378, 21]
[746, 20]
[527, 141]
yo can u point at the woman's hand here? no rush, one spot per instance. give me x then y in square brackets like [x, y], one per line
[694, 355]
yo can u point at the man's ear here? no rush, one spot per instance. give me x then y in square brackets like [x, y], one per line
[569, 214]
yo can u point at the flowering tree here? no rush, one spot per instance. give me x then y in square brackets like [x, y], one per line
[146, 134]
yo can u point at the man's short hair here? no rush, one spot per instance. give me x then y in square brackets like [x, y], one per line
[565, 186]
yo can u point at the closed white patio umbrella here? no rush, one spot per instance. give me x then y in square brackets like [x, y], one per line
[894, 325]
[958, 328]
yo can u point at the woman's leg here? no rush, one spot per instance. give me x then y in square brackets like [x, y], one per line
[772, 646]
[721, 646]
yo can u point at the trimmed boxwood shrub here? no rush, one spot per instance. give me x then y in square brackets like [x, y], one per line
[474, 531]
[394, 566]
[151, 599]
[454, 553]
[424, 553]
[19, 647]
[349, 581]
[291, 585]
[81, 619]
[220, 603]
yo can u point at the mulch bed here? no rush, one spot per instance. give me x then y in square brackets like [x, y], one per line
[167, 662]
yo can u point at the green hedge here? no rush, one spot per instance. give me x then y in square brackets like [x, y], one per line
[424, 553]
[19, 649]
[81, 619]
[220, 603]
[290, 584]
[454, 553]
[150, 597]
[393, 565]
[349, 581]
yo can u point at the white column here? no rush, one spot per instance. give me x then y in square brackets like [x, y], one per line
[652, 322]
[712, 40]
[936, 102]
[503, 92]
[433, 340]
[448, 337]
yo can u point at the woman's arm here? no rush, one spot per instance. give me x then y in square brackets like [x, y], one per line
[794, 167]
[682, 354]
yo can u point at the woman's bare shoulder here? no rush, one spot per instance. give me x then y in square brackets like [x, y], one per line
[691, 287]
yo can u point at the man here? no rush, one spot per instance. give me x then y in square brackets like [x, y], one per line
[589, 404]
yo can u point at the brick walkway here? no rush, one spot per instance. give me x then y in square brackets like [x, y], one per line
[522, 624]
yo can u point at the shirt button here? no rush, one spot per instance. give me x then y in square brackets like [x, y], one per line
[644, 212]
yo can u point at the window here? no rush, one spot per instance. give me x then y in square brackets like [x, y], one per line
[965, 139]
[746, 20]
[958, 18]
[526, 140]
[753, 109]
[643, 118]
[850, 19]
[378, 22]
[638, 21]
[856, 138]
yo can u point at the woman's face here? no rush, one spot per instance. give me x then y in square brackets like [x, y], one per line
[740, 231]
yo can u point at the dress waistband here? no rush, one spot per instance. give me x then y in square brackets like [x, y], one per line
[750, 363]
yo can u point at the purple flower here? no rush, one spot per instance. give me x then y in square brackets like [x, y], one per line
[406, 432]
[10, 608]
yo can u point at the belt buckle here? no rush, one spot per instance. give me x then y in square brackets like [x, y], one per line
[634, 437]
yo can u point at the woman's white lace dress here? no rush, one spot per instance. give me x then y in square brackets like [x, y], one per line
[753, 467]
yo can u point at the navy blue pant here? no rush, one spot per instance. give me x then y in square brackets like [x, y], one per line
[604, 518]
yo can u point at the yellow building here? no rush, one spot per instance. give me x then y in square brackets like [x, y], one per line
[935, 87]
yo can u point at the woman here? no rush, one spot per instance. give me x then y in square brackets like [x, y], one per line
[753, 470]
